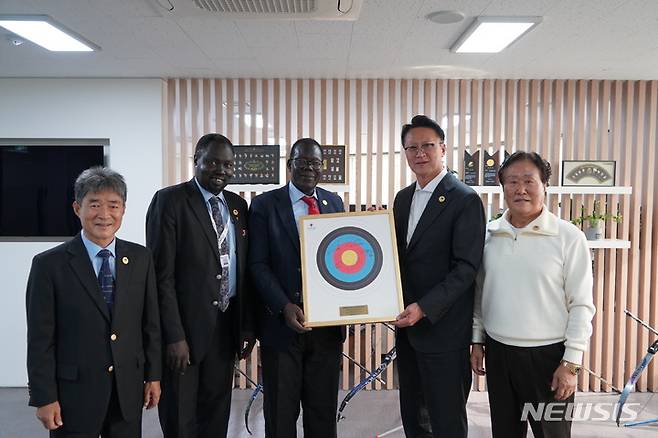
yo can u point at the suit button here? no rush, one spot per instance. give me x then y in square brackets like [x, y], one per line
[215, 303]
[110, 368]
[113, 337]
[218, 276]
[299, 269]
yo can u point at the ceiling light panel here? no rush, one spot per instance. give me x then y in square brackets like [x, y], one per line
[45, 32]
[493, 34]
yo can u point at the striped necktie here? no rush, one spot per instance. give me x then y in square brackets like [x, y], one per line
[223, 251]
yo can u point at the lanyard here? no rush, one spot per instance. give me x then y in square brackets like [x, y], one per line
[222, 237]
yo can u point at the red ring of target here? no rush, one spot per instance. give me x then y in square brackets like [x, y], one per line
[360, 258]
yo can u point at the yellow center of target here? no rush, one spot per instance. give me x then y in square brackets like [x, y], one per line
[349, 257]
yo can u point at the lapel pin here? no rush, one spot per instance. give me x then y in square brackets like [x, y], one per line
[244, 233]
[442, 199]
[125, 260]
[324, 202]
[235, 212]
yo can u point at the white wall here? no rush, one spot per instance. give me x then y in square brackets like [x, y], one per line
[129, 113]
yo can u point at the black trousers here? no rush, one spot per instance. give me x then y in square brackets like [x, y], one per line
[434, 388]
[306, 372]
[197, 404]
[519, 375]
[114, 425]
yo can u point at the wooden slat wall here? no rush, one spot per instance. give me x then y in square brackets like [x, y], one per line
[572, 119]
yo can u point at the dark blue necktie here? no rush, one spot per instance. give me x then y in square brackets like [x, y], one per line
[105, 278]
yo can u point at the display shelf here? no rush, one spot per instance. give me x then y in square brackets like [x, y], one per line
[609, 243]
[565, 190]
[338, 188]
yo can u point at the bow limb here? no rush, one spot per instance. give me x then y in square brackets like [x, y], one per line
[259, 388]
[388, 359]
[651, 351]
[362, 367]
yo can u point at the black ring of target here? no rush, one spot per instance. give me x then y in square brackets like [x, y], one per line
[369, 278]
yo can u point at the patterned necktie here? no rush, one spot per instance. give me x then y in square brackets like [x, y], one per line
[105, 278]
[223, 251]
[312, 204]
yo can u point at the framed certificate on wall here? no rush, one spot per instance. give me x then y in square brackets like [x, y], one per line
[334, 164]
[256, 164]
[350, 270]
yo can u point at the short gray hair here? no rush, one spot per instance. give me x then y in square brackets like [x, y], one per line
[98, 179]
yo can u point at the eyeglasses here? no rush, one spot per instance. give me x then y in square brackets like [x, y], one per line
[425, 147]
[303, 162]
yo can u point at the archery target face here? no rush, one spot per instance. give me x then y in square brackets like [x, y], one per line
[349, 258]
[350, 271]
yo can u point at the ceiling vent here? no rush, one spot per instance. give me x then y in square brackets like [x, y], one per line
[268, 9]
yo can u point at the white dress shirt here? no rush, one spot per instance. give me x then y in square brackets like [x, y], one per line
[419, 202]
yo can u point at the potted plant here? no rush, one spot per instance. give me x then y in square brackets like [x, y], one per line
[594, 221]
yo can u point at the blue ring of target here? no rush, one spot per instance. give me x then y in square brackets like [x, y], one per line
[344, 276]
[343, 280]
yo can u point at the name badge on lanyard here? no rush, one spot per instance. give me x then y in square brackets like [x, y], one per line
[223, 260]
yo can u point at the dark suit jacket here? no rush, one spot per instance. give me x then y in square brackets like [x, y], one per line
[275, 262]
[179, 231]
[69, 349]
[439, 265]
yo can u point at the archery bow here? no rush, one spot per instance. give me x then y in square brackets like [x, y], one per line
[388, 358]
[258, 388]
[651, 351]
[362, 367]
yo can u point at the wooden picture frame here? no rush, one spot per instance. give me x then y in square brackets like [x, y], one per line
[350, 268]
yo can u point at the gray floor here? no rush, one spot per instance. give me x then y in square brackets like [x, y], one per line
[370, 414]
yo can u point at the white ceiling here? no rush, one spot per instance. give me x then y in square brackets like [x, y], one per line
[577, 39]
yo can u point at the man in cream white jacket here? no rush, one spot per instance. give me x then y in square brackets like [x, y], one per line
[533, 305]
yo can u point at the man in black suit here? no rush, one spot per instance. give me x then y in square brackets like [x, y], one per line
[299, 364]
[440, 224]
[198, 234]
[93, 329]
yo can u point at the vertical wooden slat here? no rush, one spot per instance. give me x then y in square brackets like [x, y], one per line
[556, 144]
[620, 284]
[632, 328]
[205, 109]
[194, 114]
[451, 135]
[607, 348]
[185, 142]
[169, 152]
[380, 142]
[533, 144]
[499, 97]
[370, 111]
[521, 111]
[461, 142]
[346, 140]
[594, 126]
[652, 216]
[405, 118]
[324, 114]
[637, 303]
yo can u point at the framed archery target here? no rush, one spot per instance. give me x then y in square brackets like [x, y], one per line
[350, 269]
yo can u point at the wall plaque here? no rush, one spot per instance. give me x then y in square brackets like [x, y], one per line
[256, 164]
